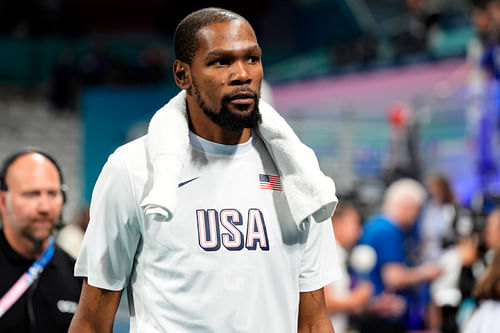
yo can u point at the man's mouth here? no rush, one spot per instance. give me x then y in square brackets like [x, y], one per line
[43, 221]
[243, 99]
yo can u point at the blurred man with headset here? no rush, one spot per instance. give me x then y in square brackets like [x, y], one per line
[38, 292]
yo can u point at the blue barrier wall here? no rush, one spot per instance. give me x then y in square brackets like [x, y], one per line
[111, 117]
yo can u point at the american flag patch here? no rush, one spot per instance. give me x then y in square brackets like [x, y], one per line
[270, 182]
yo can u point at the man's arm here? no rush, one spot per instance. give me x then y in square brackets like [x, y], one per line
[313, 316]
[96, 310]
[398, 276]
[354, 302]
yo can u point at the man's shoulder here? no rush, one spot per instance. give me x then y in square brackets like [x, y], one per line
[133, 149]
[379, 225]
[378, 221]
[132, 154]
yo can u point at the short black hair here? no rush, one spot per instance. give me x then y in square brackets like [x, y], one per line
[185, 41]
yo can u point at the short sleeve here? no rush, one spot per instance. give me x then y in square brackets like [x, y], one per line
[110, 242]
[319, 264]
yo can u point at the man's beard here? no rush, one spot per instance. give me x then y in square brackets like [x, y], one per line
[227, 119]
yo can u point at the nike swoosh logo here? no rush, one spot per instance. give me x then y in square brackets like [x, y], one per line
[187, 181]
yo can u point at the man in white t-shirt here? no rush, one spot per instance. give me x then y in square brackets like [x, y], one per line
[230, 259]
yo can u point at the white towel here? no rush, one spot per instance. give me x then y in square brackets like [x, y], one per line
[168, 144]
[310, 194]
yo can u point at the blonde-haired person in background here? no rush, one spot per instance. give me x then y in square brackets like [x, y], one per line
[388, 233]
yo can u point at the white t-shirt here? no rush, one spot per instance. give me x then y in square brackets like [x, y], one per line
[230, 260]
[341, 290]
[484, 319]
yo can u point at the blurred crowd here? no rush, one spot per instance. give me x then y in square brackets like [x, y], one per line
[100, 67]
[413, 263]
[423, 259]
[416, 25]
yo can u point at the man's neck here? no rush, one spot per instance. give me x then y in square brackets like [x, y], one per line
[215, 133]
[229, 137]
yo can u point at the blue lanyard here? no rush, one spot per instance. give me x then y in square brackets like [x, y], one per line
[38, 266]
[27, 279]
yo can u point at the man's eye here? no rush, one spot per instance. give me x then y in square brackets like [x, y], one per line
[54, 194]
[253, 59]
[220, 62]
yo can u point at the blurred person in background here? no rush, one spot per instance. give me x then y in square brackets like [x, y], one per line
[485, 319]
[437, 232]
[489, 118]
[437, 217]
[446, 237]
[395, 270]
[340, 299]
[444, 221]
[46, 294]
[491, 232]
[475, 253]
[471, 74]
[490, 240]
[489, 60]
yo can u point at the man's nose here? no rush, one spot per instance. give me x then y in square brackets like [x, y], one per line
[241, 74]
[45, 203]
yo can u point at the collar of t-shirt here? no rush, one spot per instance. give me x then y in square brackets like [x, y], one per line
[218, 148]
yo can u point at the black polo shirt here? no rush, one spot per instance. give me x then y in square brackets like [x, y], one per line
[49, 304]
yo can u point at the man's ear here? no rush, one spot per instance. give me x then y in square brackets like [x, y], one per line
[182, 75]
[2, 202]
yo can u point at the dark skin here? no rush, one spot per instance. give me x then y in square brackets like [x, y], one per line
[228, 58]
[96, 310]
[313, 315]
